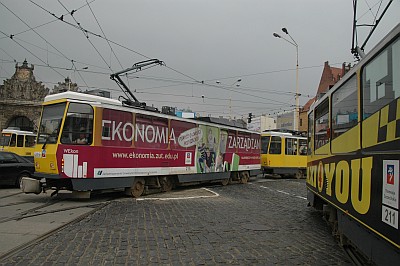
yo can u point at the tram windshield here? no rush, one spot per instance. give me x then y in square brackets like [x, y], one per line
[50, 123]
[264, 144]
[5, 140]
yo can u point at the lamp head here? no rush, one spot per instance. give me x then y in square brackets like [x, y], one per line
[276, 35]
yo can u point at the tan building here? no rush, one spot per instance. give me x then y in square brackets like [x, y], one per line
[21, 97]
[261, 123]
[285, 120]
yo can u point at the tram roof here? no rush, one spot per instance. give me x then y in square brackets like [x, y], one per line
[78, 96]
[82, 97]
[284, 132]
[18, 131]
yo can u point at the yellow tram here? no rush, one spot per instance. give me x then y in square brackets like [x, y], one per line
[354, 154]
[284, 153]
[18, 141]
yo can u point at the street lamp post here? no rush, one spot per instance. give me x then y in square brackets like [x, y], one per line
[294, 43]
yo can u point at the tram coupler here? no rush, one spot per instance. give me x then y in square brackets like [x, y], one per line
[31, 185]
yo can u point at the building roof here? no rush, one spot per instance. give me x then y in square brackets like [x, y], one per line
[306, 107]
[330, 75]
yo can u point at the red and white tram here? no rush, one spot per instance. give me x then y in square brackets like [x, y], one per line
[88, 143]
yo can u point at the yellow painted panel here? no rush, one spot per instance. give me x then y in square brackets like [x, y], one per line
[384, 116]
[347, 142]
[47, 164]
[370, 131]
[398, 109]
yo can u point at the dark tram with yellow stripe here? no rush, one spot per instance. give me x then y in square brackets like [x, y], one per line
[353, 158]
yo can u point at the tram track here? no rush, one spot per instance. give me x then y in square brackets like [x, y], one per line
[21, 214]
[51, 215]
[25, 214]
[97, 207]
[11, 195]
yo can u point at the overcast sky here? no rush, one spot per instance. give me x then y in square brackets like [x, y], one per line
[202, 42]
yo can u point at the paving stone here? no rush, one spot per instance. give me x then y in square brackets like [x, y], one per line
[245, 225]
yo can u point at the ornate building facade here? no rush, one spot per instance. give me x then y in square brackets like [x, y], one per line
[21, 97]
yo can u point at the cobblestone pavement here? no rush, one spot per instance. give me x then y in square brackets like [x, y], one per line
[266, 222]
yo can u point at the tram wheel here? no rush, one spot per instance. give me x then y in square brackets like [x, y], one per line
[244, 177]
[299, 174]
[137, 188]
[166, 183]
[225, 181]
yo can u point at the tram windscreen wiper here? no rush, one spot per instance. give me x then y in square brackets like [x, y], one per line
[45, 142]
[53, 134]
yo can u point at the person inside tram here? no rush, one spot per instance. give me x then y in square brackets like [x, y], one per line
[82, 139]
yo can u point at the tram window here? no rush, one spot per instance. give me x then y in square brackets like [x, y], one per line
[291, 146]
[344, 107]
[310, 131]
[380, 79]
[30, 141]
[303, 146]
[264, 144]
[321, 124]
[13, 140]
[78, 125]
[275, 146]
[20, 141]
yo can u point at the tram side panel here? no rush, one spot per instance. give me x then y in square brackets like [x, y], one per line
[363, 185]
[127, 144]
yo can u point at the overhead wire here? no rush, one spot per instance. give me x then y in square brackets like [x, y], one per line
[62, 68]
[38, 47]
[112, 50]
[179, 72]
[32, 53]
[188, 96]
[11, 37]
[89, 32]
[240, 92]
[196, 81]
[79, 73]
[86, 35]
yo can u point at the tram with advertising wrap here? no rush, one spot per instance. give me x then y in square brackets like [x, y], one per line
[284, 153]
[88, 143]
[18, 141]
[353, 159]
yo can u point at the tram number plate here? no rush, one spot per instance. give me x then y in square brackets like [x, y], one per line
[390, 216]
